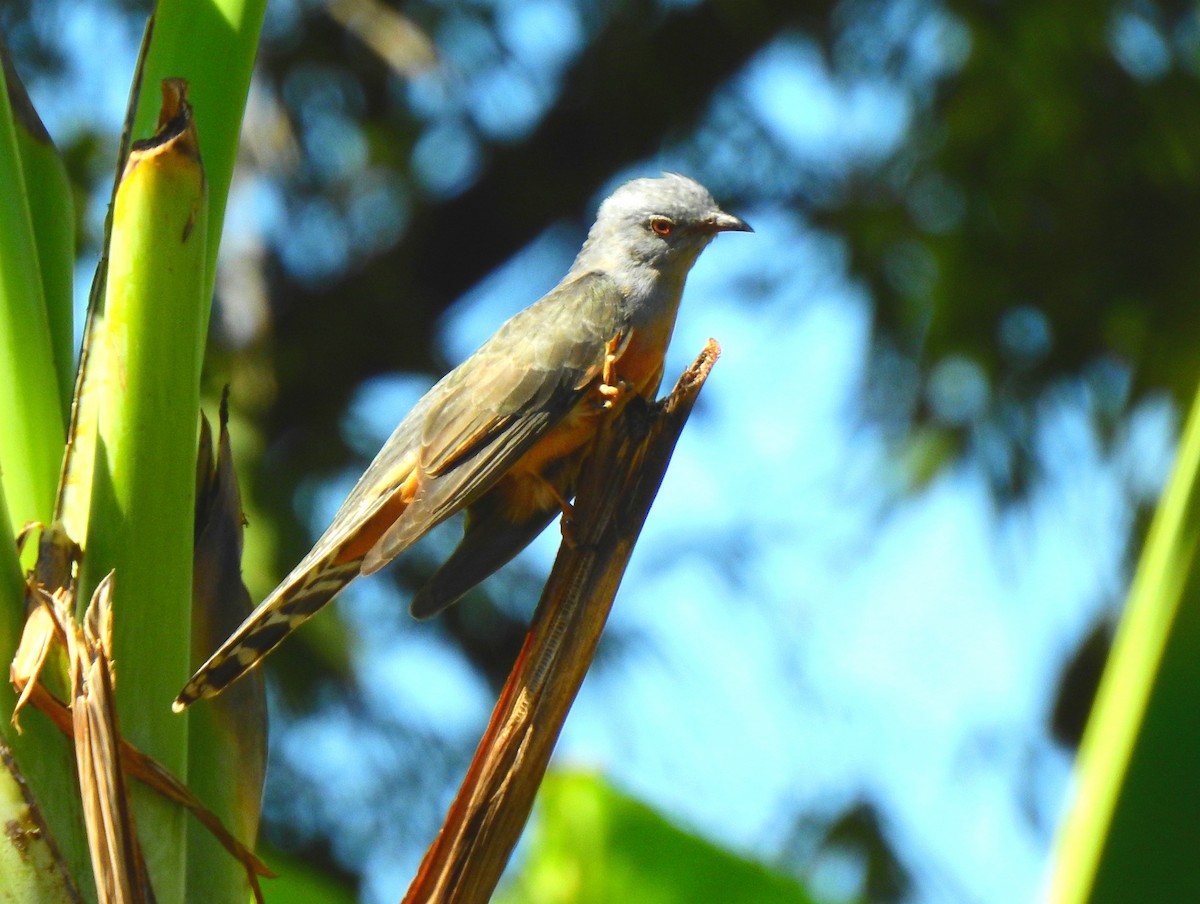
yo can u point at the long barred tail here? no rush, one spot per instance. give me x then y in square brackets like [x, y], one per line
[292, 604]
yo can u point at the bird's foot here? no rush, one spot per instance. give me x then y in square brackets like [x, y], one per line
[567, 523]
[567, 526]
[611, 393]
[611, 387]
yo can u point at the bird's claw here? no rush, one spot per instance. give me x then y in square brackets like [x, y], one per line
[611, 387]
[611, 393]
[567, 526]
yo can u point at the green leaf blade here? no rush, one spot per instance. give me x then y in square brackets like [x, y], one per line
[34, 427]
[1134, 823]
[149, 352]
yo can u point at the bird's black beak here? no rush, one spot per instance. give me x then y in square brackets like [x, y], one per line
[727, 222]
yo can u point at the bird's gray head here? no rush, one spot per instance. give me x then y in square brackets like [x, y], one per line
[661, 223]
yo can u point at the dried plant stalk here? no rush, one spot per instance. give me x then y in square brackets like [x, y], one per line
[616, 490]
[117, 862]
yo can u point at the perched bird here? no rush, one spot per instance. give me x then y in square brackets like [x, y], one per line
[505, 433]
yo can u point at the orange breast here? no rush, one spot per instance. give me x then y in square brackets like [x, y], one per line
[639, 365]
[641, 362]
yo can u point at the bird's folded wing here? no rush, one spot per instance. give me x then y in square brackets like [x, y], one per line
[498, 403]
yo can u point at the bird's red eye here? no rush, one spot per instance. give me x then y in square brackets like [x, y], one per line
[662, 225]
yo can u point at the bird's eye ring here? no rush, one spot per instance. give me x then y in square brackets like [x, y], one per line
[662, 225]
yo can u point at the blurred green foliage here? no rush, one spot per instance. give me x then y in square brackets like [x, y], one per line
[593, 844]
[1038, 224]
